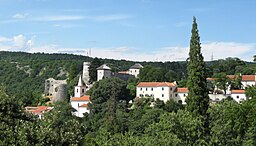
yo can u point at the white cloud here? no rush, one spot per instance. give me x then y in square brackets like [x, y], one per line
[16, 43]
[220, 50]
[110, 17]
[19, 41]
[58, 18]
[20, 16]
[4, 39]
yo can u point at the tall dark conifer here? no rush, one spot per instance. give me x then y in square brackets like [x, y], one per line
[198, 99]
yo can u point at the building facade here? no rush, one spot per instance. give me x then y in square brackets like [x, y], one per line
[80, 100]
[135, 69]
[157, 90]
[238, 95]
[103, 72]
[181, 95]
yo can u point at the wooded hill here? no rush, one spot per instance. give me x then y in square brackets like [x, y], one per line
[24, 74]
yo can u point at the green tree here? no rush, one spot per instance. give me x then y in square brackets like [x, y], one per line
[222, 81]
[152, 74]
[254, 58]
[106, 96]
[93, 69]
[197, 100]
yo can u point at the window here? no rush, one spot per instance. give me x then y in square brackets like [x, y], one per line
[162, 88]
[162, 95]
[82, 90]
[176, 95]
[184, 95]
[171, 89]
[237, 96]
[152, 95]
[77, 90]
[141, 95]
[140, 89]
[152, 89]
[134, 70]
[146, 89]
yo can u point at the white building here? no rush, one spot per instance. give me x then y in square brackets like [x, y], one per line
[135, 69]
[80, 104]
[238, 95]
[248, 80]
[80, 89]
[103, 72]
[80, 100]
[157, 90]
[180, 95]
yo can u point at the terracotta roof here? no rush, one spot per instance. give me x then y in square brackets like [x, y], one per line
[211, 79]
[123, 72]
[83, 98]
[156, 84]
[182, 90]
[136, 66]
[248, 78]
[237, 91]
[83, 105]
[244, 77]
[38, 110]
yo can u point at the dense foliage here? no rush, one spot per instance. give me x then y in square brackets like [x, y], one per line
[197, 100]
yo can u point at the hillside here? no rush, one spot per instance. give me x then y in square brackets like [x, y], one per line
[24, 73]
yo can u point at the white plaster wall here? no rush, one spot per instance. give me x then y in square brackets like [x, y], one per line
[82, 110]
[238, 97]
[180, 96]
[79, 91]
[76, 104]
[134, 72]
[162, 93]
[215, 97]
[248, 83]
[103, 73]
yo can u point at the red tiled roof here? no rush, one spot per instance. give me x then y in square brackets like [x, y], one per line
[38, 110]
[248, 77]
[237, 91]
[182, 90]
[83, 98]
[123, 72]
[211, 79]
[83, 105]
[156, 84]
[244, 77]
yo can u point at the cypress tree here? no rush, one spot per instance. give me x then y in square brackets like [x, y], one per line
[198, 99]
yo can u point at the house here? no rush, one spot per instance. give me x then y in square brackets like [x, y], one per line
[80, 104]
[135, 69]
[180, 95]
[38, 110]
[238, 95]
[156, 90]
[80, 100]
[103, 72]
[248, 80]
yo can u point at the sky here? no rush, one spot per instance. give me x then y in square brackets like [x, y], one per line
[138, 30]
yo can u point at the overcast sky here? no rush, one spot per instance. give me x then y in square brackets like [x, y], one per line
[144, 30]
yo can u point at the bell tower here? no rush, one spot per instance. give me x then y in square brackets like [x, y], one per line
[80, 89]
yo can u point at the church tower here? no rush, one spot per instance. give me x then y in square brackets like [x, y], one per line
[80, 89]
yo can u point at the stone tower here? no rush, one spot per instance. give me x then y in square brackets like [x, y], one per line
[60, 92]
[86, 77]
[80, 89]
